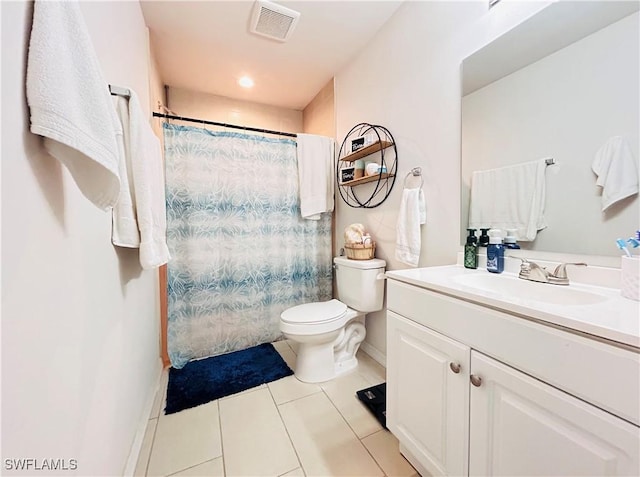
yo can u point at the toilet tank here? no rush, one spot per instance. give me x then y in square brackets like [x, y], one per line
[358, 284]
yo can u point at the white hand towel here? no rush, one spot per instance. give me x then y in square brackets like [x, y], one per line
[315, 174]
[124, 224]
[509, 197]
[617, 171]
[412, 214]
[69, 100]
[139, 217]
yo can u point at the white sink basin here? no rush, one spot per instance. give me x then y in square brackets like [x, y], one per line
[542, 292]
[595, 310]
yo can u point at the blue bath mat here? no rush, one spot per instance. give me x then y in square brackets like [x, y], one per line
[208, 379]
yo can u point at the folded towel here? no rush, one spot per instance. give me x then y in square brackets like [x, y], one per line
[509, 197]
[69, 100]
[315, 175]
[617, 171]
[139, 217]
[353, 233]
[413, 213]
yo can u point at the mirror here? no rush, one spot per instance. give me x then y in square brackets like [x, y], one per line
[561, 84]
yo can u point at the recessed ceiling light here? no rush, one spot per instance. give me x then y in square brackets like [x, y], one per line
[245, 82]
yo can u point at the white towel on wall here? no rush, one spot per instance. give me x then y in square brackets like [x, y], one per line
[69, 100]
[139, 217]
[510, 197]
[315, 174]
[124, 225]
[412, 214]
[617, 171]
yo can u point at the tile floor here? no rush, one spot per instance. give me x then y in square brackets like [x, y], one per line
[284, 428]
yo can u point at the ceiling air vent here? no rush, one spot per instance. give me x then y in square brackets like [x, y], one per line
[273, 21]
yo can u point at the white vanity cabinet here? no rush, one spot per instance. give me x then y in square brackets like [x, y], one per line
[522, 426]
[475, 391]
[428, 394]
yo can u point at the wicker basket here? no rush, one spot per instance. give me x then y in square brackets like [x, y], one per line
[358, 251]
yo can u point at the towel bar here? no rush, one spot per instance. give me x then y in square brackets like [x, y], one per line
[415, 172]
[118, 91]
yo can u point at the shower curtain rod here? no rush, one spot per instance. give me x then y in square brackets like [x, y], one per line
[202, 121]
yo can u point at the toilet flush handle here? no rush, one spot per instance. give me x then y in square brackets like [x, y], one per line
[381, 276]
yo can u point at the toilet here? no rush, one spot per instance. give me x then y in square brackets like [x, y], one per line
[329, 333]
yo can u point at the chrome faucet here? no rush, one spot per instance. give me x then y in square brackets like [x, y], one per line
[534, 272]
[560, 273]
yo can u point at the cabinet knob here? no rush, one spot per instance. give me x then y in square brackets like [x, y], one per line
[455, 367]
[476, 380]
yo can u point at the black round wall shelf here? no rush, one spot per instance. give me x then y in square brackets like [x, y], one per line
[375, 144]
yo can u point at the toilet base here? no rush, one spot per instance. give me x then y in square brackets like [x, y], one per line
[314, 363]
[346, 346]
[335, 356]
[345, 366]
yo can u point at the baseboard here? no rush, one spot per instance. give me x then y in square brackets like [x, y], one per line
[374, 353]
[136, 447]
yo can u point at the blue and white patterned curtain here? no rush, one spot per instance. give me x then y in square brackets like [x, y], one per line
[241, 253]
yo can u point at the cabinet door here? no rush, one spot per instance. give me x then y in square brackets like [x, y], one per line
[428, 395]
[522, 426]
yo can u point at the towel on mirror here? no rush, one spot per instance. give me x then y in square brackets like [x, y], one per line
[617, 171]
[510, 197]
[69, 100]
[315, 174]
[412, 214]
[139, 217]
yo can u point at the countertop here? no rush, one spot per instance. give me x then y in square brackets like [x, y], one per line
[615, 318]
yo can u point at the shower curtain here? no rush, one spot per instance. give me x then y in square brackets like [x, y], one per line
[241, 253]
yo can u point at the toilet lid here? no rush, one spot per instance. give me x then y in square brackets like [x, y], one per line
[318, 312]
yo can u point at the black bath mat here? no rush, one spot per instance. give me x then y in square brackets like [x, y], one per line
[375, 398]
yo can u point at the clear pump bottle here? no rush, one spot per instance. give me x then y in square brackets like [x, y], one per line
[471, 250]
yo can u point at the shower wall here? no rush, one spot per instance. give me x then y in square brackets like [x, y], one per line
[319, 116]
[211, 107]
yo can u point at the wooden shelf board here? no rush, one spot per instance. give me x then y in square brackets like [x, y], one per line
[365, 179]
[365, 151]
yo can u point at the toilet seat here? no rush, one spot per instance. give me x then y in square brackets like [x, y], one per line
[315, 313]
[315, 318]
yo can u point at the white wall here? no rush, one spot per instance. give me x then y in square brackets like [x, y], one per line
[408, 80]
[80, 354]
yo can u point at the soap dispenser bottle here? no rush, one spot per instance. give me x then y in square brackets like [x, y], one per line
[471, 250]
[495, 252]
[510, 240]
[484, 238]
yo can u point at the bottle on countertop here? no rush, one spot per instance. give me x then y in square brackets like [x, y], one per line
[510, 239]
[484, 238]
[495, 252]
[471, 250]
